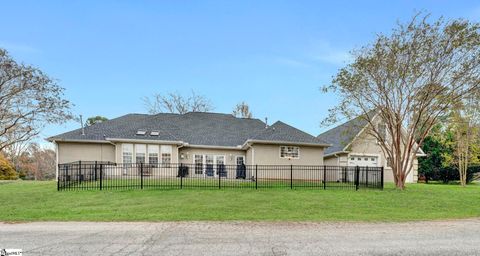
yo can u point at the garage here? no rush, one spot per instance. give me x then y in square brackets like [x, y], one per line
[365, 160]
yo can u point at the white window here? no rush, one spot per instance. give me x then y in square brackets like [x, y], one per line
[141, 132]
[140, 153]
[154, 133]
[166, 154]
[198, 161]
[289, 152]
[127, 153]
[153, 154]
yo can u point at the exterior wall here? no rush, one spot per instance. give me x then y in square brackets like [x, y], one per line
[366, 145]
[189, 153]
[258, 154]
[269, 154]
[336, 160]
[230, 155]
[249, 157]
[72, 152]
[119, 153]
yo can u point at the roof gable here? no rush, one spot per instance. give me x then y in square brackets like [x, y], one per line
[343, 135]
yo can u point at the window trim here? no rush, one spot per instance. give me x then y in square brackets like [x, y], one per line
[289, 157]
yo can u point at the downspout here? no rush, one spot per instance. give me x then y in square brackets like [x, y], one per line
[338, 159]
[56, 160]
[116, 148]
[253, 153]
[178, 152]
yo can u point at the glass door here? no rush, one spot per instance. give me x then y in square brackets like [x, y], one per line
[209, 162]
[220, 164]
[241, 168]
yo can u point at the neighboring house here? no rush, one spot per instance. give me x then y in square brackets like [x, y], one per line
[352, 145]
[191, 138]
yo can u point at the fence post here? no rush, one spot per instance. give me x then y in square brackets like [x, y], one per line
[79, 173]
[324, 177]
[357, 177]
[181, 176]
[101, 176]
[219, 177]
[95, 170]
[256, 176]
[291, 176]
[381, 177]
[58, 178]
[366, 176]
[141, 175]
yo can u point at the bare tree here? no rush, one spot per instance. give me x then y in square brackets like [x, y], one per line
[29, 99]
[242, 110]
[409, 78]
[36, 163]
[174, 102]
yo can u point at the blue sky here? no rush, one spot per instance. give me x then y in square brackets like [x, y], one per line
[275, 55]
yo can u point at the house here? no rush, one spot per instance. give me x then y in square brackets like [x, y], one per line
[191, 138]
[352, 145]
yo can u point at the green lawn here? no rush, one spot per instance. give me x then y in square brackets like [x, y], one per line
[34, 201]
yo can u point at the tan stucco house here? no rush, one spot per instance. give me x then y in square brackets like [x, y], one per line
[191, 138]
[352, 145]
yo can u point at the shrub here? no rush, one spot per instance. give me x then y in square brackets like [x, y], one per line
[7, 172]
[448, 174]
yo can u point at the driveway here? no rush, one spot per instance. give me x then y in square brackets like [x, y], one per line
[460, 237]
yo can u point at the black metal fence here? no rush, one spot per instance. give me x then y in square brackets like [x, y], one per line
[108, 175]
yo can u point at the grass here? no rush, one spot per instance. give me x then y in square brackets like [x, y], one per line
[39, 201]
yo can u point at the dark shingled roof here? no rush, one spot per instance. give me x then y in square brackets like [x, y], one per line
[343, 134]
[280, 131]
[195, 128]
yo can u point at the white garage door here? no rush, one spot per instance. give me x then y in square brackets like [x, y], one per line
[371, 161]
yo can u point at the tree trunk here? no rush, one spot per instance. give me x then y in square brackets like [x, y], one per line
[399, 179]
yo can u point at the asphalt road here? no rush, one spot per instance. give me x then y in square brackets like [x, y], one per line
[461, 237]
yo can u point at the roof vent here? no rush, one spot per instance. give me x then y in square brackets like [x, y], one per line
[266, 122]
[141, 132]
[154, 133]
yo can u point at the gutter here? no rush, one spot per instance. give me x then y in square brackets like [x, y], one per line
[284, 143]
[170, 142]
[78, 141]
[336, 153]
[239, 147]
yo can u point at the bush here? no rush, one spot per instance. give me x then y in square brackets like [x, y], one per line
[449, 174]
[7, 172]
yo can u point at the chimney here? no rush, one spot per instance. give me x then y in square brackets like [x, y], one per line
[81, 122]
[266, 122]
